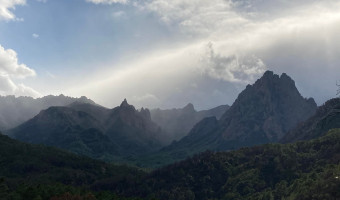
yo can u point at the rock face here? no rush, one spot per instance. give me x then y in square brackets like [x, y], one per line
[264, 112]
[93, 130]
[178, 122]
[14, 111]
[327, 117]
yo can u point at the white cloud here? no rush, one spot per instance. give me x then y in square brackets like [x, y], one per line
[34, 35]
[6, 84]
[23, 90]
[196, 16]
[109, 2]
[6, 8]
[234, 68]
[8, 87]
[10, 69]
[9, 64]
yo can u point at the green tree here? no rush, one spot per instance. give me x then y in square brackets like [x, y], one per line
[3, 189]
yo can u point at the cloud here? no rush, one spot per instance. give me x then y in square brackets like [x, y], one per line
[6, 7]
[8, 87]
[109, 2]
[234, 68]
[23, 90]
[34, 35]
[9, 65]
[220, 45]
[6, 84]
[10, 69]
[196, 16]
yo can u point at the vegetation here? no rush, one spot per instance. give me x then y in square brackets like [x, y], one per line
[304, 170]
[40, 172]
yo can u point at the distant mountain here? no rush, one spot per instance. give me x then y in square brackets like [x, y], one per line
[17, 110]
[178, 122]
[92, 130]
[327, 117]
[262, 113]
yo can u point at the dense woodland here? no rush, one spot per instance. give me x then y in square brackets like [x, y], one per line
[304, 170]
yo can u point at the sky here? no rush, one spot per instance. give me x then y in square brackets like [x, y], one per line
[166, 53]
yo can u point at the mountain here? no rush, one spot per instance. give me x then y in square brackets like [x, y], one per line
[17, 110]
[178, 122]
[326, 117]
[92, 130]
[262, 113]
[266, 111]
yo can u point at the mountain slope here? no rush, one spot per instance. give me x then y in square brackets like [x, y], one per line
[178, 122]
[14, 111]
[69, 129]
[92, 130]
[262, 113]
[327, 117]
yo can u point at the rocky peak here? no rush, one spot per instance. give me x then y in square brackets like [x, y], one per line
[124, 103]
[126, 106]
[271, 107]
[189, 108]
[272, 81]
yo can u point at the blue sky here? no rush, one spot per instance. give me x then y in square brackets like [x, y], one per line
[162, 53]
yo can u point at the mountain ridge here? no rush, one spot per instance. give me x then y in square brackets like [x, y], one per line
[92, 130]
[326, 117]
[17, 110]
[262, 113]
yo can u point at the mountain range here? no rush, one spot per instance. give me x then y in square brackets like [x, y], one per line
[86, 128]
[15, 111]
[263, 113]
[92, 130]
[224, 156]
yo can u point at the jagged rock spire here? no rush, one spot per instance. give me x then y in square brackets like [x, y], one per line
[124, 103]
